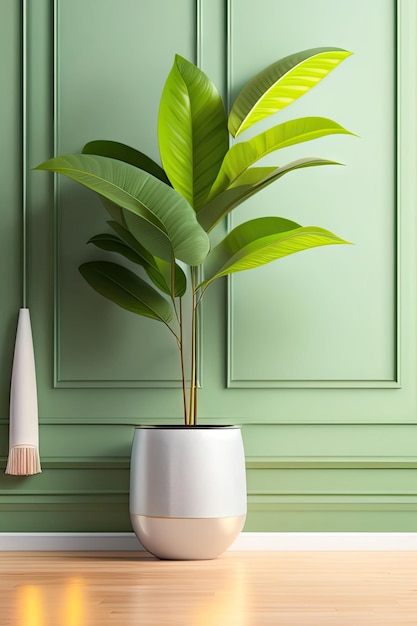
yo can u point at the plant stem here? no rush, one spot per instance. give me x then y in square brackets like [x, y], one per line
[180, 339]
[193, 374]
[174, 304]
[184, 387]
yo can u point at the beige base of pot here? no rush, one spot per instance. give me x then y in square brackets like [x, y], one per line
[186, 538]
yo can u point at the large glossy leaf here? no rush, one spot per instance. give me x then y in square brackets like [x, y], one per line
[242, 155]
[280, 84]
[252, 181]
[169, 222]
[261, 241]
[124, 288]
[192, 131]
[122, 152]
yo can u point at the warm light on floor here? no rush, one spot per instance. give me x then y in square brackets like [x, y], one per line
[68, 609]
[74, 604]
[30, 604]
[237, 589]
[228, 605]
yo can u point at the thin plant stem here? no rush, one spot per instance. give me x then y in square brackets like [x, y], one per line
[180, 339]
[174, 304]
[195, 381]
[181, 347]
[171, 330]
[193, 416]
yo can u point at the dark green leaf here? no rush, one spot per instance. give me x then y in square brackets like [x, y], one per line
[159, 217]
[159, 271]
[111, 243]
[121, 152]
[124, 288]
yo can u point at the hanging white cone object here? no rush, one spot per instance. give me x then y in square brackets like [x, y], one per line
[24, 428]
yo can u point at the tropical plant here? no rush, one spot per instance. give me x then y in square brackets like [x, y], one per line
[163, 217]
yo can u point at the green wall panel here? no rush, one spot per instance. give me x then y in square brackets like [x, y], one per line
[11, 195]
[396, 517]
[71, 515]
[329, 316]
[108, 84]
[314, 356]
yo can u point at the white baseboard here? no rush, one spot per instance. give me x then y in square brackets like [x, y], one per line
[309, 542]
[320, 542]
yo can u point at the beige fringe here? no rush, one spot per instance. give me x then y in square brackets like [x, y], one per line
[23, 461]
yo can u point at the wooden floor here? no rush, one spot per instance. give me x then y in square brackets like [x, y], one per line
[237, 589]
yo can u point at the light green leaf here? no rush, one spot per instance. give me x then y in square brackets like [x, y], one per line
[281, 84]
[122, 152]
[261, 241]
[169, 223]
[250, 182]
[192, 131]
[124, 288]
[242, 155]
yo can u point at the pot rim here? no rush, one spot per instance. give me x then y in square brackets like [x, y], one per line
[189, 427]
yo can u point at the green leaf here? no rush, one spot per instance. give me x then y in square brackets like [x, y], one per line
[192, 131]
[115, 211]
[111, 243]
[261, 241]
[162, 219]
[124, 288]
[158, 270]
[242, 155]
[161, 276]
[122, 152]
[250, 182]
[281, 84]
[133, 243]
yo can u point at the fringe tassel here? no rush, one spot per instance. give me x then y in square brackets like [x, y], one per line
[23, 461]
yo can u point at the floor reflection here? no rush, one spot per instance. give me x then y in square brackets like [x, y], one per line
[74, 606]
[141, 591]
[30, 606]
[66, 606]
[229, 603]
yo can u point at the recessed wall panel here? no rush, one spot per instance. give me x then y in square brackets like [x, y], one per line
[112, 59]
[326, 317]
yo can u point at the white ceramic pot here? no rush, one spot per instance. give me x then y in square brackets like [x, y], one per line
[187, 489]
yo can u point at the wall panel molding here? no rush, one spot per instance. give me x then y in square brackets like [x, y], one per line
[330, 463]
[252, 463]
[62, 345]
[356, 400]
[255, 381]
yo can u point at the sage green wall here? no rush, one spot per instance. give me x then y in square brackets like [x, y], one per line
[315, 356]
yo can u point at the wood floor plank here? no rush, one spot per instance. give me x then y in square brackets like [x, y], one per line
[237, 589]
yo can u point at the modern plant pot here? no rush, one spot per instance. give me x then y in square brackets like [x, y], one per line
[187, 489]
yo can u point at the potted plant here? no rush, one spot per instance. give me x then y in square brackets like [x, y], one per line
[162, 220]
